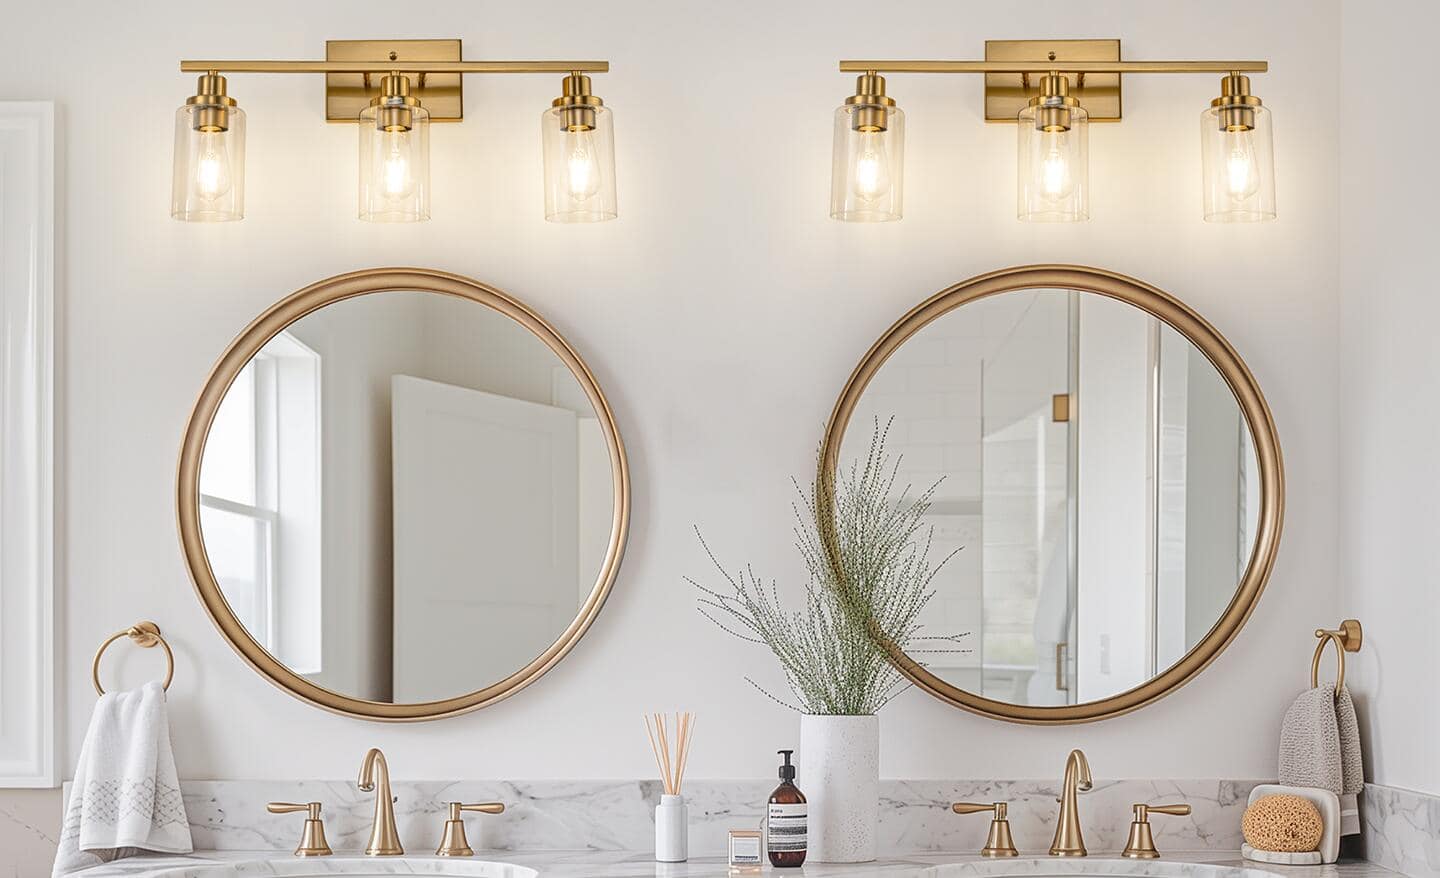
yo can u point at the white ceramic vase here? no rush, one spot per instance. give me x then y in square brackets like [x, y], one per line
[839, 773]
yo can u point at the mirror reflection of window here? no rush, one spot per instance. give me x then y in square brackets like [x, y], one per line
[256, 523]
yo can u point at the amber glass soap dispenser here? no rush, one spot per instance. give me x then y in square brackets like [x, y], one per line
[785, 819]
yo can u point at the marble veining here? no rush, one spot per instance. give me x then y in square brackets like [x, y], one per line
[606, 864]
[1402, 830]
[915, 815]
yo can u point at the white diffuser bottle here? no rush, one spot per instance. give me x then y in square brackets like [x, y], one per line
[672, 830]
[672, 818]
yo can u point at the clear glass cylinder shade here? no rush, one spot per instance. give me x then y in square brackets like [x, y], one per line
[208, 185]
[1053, 165]
[394, 164]
[1239, 164]
[867, 168]
[579, 146]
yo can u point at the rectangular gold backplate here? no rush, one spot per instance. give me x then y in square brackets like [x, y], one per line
[346, 94]
[1006, 94]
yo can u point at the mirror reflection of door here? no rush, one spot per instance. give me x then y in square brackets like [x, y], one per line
[1095, 473]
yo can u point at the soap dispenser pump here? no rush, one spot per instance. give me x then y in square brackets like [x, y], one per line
[786, 819]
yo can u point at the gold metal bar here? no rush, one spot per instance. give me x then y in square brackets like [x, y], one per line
[398, 66]
[1041, 65]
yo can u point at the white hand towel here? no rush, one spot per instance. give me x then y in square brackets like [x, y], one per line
[1310, 742]
[1352, 763]
[126, 795]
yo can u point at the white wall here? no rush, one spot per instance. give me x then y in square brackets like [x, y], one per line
[1389, 384]
[722, 313]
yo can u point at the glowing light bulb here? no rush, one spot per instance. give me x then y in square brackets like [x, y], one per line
[1056, 181]
[582, 166]
[872, 167]
[1242, 170]
[212, 166]
[397, 180]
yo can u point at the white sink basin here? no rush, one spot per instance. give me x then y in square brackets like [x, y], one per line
[349, 866]
[1059, 867]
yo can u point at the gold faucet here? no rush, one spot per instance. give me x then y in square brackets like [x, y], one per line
[384, 840]
[1068, 840]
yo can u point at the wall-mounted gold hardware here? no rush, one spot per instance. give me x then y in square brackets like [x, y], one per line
[312, 838]
[1347, 638]
[999, 843]
[375, 775]
[1141, 845]
[453, 842]
[1069, 840]
[393, 79]
[144, 635]
[1048, 83]
[1006, 94]
[346, 94]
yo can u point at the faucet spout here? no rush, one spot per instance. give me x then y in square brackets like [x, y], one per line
[1069, 842]
[375, 775]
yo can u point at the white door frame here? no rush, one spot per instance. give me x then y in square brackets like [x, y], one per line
[27, 554]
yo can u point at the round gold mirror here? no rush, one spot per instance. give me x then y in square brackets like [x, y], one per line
[402, 495]
[1109, 487]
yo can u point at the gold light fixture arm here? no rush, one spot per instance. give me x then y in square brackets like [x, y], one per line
[399, 66]
[1045, 66]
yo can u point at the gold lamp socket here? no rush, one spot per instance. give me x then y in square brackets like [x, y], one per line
[395, 106]
[1236, 104]
[212, 103]
[577, 102]
[1053, 104]
[872, 106]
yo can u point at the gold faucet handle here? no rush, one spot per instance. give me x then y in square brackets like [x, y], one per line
[999, 843]
[453, 842]
[1141, 845]
[312, 839]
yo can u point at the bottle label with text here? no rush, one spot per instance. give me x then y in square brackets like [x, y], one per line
[786, 827]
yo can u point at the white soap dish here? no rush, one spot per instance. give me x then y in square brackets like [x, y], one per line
[1303, 858]
[1329, 805]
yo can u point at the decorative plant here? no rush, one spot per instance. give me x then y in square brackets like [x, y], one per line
[869, 579]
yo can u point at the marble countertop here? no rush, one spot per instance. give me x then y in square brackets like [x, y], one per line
[616, 864]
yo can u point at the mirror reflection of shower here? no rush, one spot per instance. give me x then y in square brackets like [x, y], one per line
[1097, 473]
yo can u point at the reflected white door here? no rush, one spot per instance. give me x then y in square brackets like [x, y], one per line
[492, 571]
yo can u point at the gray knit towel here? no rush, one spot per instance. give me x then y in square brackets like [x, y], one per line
[1320, 747]
[1352, 765]
[1310, 742]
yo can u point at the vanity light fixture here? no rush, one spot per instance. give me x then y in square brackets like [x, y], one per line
[208, 184]
[394, 89]
[1053, 89]
[868, 166]
[1052, 158]
[579, 141]
[394, 155]
[1239, 155]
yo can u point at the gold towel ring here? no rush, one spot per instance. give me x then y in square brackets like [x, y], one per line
[142, 634]
[1347, 638]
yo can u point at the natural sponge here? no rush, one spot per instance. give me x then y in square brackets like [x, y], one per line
[1282, 823]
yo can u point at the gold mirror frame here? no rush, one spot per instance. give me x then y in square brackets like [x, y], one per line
[265, 327]
[1252, 404]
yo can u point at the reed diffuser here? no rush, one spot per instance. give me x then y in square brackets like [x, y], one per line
[672, 822]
